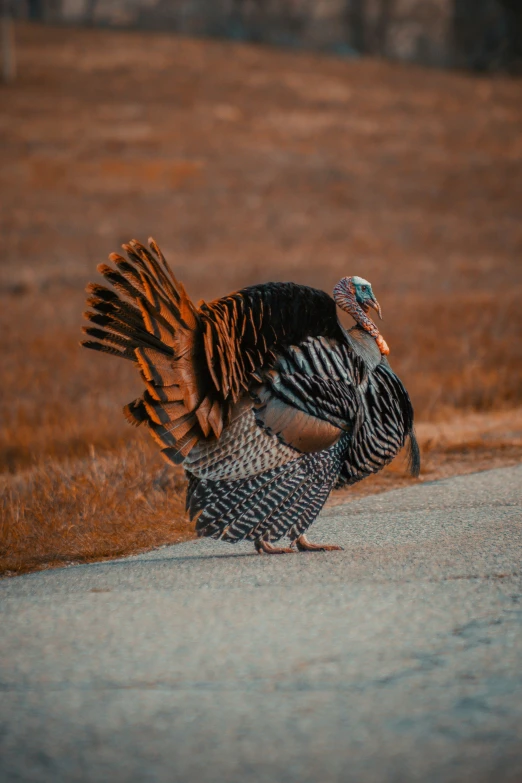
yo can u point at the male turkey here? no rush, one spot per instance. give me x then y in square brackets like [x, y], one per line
[266, 400]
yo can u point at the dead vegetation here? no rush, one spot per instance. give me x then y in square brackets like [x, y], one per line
[246, 165]
[89, 509]
[78, 510]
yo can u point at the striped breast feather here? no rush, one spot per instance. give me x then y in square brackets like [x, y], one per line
[388, 420]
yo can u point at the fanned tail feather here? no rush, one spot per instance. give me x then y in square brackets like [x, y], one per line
[149, 318]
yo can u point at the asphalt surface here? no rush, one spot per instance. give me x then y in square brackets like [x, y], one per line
[397, 660]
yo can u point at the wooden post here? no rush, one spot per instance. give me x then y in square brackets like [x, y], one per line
[7, 43]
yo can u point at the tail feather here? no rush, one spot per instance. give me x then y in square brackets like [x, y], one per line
[120, 281]
[147, 317]
[414, 458]
[95, 346]
[109, 337]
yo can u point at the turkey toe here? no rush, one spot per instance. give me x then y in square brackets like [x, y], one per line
[266, 548]
[304, 545]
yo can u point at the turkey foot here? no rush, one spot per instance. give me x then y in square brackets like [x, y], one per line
[266, 548]
[304, 545]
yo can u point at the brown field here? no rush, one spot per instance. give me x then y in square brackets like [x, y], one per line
[246, 164]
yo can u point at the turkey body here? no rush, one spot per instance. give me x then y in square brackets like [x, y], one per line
[266, 400]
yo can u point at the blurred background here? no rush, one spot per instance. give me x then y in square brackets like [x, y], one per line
[476, 34]
[275, 140]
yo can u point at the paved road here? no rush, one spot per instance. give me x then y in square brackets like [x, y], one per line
[397, 660]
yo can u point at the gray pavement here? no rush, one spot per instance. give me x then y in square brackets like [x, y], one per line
[397, 660]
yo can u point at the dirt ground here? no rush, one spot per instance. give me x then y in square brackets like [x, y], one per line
[246, 164]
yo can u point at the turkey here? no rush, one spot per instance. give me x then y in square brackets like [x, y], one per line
[262, 395]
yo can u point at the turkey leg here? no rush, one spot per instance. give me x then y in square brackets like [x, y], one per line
[304, 545]
[266, 548]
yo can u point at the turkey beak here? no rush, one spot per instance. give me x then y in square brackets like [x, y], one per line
[374, 304]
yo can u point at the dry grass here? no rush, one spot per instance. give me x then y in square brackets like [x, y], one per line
[86, 509]
[90, 509]
[247, 165]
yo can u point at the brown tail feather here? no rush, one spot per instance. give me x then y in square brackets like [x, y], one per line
[148, 317]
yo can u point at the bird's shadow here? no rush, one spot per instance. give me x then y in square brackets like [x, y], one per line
[174, 559]
[183, 558]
